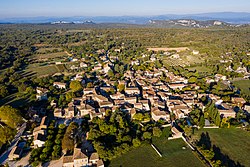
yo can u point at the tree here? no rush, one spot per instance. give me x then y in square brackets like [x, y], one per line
[10, 116]
[209, 154]
[3, 91]
[138, 117]
[110, 73]
[192, 80]
[68, 141]
[136, 142]
[121, 87]
[35, 163]
[147, 135]
[69, 96]
[157, 132]
[202, 121]
[117, 68]
[6, 134]
[75, 86]
[217, 119]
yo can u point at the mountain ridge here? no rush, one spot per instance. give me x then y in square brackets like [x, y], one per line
[230, 17]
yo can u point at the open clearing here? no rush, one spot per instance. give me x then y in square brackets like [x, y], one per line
[42, 70]
[244, 86]
[45, 50]
[201, 69]
[49, 55]
[14, 101]
[172, 155]
[234, 143]
[179, 49]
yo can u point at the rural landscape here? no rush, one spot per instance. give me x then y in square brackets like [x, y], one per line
[170, 92]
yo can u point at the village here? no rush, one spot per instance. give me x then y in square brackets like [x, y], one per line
[138, 92]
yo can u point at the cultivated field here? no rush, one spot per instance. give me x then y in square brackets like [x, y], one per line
[14, 100]
[234, 143]
[179, 49]
[46, 50]
[42, 70]
[199, 69]
[172, 155]
[49, 55]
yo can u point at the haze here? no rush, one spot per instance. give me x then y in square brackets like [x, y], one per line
[31, 8]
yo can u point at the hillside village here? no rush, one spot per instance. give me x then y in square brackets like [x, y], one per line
[143, 94]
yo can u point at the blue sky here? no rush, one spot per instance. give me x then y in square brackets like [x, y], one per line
[31, 8]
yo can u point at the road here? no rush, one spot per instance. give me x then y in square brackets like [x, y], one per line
[4, 156]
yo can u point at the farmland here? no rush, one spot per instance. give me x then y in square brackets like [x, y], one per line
[172, 155]
[243, 85]
[233, 144]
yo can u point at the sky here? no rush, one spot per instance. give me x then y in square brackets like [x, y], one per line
[64, 8]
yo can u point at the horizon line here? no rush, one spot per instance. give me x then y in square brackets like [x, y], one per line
[26, 17]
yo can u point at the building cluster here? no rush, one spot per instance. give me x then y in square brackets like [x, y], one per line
[142, 91]
[79, 159]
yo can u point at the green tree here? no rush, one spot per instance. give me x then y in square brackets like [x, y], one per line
[10, 116]
[3, 91]
[202, 121]
[69, 95]
[147, 135]
[110, 73]
[217, 119]
[136, 142]
[68, 141]
[157, 132]
[75, 86]
[192, 80]
[121, 87]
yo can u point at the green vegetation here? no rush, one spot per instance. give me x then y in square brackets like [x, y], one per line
[244, 86]
[53, 146]
[68, 141]
[27, 61]
[172, 154]
[10, 118]
[75, 86]
[42, 70]
[230, 145]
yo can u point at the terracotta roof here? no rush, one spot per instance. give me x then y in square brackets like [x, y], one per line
[78, 154]
[100, 163]
[94, 156]
[238, 100]
[68, 159]
[158, 112]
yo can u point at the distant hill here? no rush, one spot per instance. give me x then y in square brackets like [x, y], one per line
[190, 23]
[230, 17]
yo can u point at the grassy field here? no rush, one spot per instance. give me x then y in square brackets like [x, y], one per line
[172, 155]
[234, 143]
[44, 50]
[42, 70]
[200, 69]
[244, 85]
[49, 55]
[14, 101]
